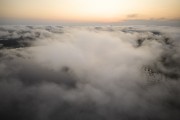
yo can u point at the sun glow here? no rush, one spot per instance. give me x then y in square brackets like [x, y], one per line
[90, 10]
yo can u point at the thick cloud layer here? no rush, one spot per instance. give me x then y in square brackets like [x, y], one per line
[89, 73]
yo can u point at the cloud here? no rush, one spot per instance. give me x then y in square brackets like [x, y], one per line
[97, 73]
[150, 22]
[132, 16]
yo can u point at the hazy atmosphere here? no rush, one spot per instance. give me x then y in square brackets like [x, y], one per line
[89, 60]
[88, 11]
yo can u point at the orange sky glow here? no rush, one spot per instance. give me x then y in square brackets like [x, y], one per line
[90, 10]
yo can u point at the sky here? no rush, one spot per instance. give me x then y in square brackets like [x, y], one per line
[90, 10]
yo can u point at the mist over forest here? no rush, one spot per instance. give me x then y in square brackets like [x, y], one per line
[89, 73]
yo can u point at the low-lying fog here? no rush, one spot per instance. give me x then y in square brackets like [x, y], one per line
[89, 73]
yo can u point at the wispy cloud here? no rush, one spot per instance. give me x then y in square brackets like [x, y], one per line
[132, 15]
